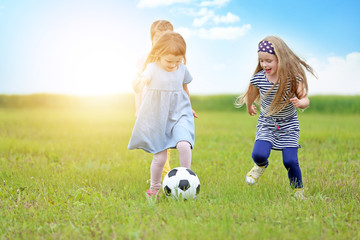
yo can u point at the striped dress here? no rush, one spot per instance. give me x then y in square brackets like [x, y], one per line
[281, 129]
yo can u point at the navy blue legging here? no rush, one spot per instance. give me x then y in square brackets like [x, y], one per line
[261, 153]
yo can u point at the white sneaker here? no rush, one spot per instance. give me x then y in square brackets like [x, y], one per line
[299, 194]
[255, 173]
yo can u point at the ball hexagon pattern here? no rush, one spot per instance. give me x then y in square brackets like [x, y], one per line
[181, 183]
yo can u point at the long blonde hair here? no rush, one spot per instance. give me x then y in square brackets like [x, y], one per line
[169, 43]
[290, 68]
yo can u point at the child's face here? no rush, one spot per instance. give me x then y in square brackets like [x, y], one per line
[269, 63]
[170, 62]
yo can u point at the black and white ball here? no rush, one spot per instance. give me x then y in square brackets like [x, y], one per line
[181, 183]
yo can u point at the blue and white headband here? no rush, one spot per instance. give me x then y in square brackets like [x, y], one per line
[267, 47]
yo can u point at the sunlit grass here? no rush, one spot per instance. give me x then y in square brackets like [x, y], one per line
[67, 174]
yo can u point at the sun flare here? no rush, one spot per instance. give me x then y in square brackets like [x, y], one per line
[90, 60]
[97, 68]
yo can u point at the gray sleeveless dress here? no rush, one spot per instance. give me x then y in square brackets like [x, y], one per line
[165, 116]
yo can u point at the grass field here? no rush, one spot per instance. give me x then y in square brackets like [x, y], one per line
[65, 173]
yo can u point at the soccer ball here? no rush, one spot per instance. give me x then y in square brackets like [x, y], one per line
[181, 183]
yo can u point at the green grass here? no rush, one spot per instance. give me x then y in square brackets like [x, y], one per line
[67, 174]
[225, 102]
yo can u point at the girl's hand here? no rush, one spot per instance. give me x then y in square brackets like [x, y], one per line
[194, 113]
[295, 101]
[252, 110]
[303, 101]
[300, 103]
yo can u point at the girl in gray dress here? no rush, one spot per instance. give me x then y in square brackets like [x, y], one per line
[165, 119]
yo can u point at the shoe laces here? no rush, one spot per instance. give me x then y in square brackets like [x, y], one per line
[299, 194]
[257, 171]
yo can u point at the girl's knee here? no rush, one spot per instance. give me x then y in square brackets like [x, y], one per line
[261, 152]
[184, 149]
[260, 158]
[183, 145]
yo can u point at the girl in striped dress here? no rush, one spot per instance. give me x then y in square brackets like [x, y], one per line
[280, 83]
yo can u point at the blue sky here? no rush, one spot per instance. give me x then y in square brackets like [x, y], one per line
[89, 47]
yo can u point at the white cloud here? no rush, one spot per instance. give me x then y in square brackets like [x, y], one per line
[205, 16]
[214, 3]
[186, 32]
[229, 18]
[157, 3]
[337, 75]
[205, 12]
[224, 33]
[198, 22]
